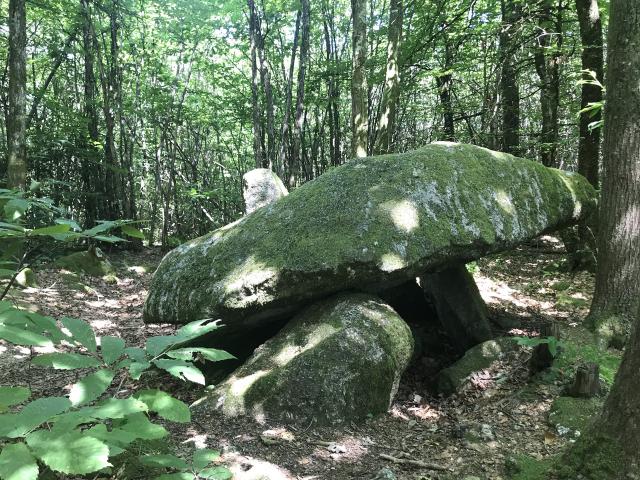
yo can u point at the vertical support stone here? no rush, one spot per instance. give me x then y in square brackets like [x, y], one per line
[461, 310]
[261, 187]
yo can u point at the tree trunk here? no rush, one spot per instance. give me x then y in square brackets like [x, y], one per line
[391, 91]
[91, 170]
[333, 89]
[616, 300]
[592, 61]
[359, 98]
[255, 93]
[509, 79]
[16, 125]
[297, 160]
[547, 63]
[444, 90]
[286, 117]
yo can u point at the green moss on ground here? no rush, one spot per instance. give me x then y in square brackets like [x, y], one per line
[91, 262]
[575, 413]
[580, 346]
[593, 456]
[523, 467]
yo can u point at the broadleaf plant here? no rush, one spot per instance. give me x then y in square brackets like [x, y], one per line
[82, 433]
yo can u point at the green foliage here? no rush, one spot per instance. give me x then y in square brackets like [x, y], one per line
[554, 344]
[82, 433]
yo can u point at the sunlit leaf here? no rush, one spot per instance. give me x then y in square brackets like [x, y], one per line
[17, 463]
[165, 405]
[91, 387]
[182, 370]
[65, 361]
[81, 332]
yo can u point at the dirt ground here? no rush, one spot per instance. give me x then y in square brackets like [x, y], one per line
[501, 413]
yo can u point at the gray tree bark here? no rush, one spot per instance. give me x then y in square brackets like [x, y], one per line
[359, 100]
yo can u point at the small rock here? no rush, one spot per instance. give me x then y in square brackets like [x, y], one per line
[337, 448]
[26, 278]
[486, 433]
[276, 436]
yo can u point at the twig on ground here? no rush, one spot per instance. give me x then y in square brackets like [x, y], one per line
[416, 463]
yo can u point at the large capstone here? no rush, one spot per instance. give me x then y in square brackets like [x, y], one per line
[368, 225]
[261, 187]
[337, 361]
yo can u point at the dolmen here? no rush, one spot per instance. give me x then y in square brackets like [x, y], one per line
[302, 278]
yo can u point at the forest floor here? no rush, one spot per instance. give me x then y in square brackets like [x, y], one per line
[500, 417]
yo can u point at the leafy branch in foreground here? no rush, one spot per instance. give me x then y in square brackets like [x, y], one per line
[81, 433]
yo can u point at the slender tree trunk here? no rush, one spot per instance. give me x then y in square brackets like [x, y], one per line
[333, 89]
[297, 159]
[592, 61]
[391, 92]
[286, 117]
[547, 63]
[617, 293]
[16, 125]
[509, 79]
[359, 99]
[255, 92]
[91, 168]
[265, 77]
[443, 82]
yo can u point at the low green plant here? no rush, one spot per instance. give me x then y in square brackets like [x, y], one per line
[554, 344]
[80, 433]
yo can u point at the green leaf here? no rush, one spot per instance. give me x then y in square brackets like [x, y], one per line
[6, 273]
[216, 473]
[15, 208]
[17, 463]
[196, 329]
[182, 370]
[12, 396]
[66, 422]
[50, 230]
[112, 349]
[18, 336]
[132, 232]
[116, 408]
[203, 457]
[81, 332]
[156, 345]
[176, 476]
[48, 325]
[32, 416]
[165, 405]
[72, 453]
[91, 387]
[65, 361]
[136, 369]
[167, 461]
[142, 428]
[116, 439]
[136, 353]
[211, 354]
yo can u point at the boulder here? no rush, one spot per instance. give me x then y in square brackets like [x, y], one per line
[337, 361]
[92, 262]
[460, 308]
[261, 187]
[475, 359]
[368, 225]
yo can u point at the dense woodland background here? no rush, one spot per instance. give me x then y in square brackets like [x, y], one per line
[154, 109]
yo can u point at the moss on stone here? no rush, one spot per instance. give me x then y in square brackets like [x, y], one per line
[475, 359]
[574, 414]
[372, 222]
[337, 361]
[26, 278]
[92, 262]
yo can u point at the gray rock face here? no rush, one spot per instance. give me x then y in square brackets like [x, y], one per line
[261, 187]
[368, 225]
[339, 360]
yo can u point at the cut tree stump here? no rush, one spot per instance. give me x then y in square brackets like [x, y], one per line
[587, 381]
[542, 357]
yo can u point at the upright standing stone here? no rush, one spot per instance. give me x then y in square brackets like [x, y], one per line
[261, 187]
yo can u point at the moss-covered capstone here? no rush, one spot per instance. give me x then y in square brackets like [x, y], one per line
[369, 224]
[337, 361]
[475, 359]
